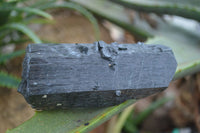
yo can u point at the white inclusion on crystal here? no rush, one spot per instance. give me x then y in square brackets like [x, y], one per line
[58, 104]
[118, 93]
[45, 96]
[38, 53]
[34, 83]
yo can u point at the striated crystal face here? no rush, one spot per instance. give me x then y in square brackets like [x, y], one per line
[93, 75]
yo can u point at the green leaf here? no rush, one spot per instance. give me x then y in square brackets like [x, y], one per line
[41, 3]
[122, 119]
[145, 113]
[69, 121]
[8, 81]
[16, 42]
[132, 122]
[6, 57]
[114, 13]
[78, 8]
[27, 10]
[125, 118]
[23, 28]
[4, 14]
[185, 8]
[34, 11]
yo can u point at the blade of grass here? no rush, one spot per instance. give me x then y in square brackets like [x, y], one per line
[129, 127]
[16, 42]
[122, 119]
[4, 14]
[41, 3]
[6, 57]
[27, 10]
[8, 81]
[69, 121]
[144, 114]
[189, 9]
[24, 29]
[131, 124]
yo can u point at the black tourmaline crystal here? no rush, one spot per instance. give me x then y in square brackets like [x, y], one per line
[93, 75]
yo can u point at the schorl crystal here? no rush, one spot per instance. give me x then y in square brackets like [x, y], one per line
[93, 75]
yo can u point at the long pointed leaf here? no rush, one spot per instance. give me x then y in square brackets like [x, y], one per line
[27, 10]
[23, 28]
[8, 81]
[185, 8]
[9, 56]
[4, 14]
[69, 121]
[152, 107]
[132, 123]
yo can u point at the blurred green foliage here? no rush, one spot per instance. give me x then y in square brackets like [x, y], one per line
[13, 16]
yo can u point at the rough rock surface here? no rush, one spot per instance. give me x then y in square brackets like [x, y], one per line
[93, 75]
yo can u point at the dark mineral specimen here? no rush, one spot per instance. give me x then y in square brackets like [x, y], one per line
[93, 75]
